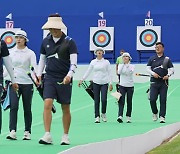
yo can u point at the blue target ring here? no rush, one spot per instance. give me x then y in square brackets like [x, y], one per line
[148, 38]
[101, 38]
[8, 37]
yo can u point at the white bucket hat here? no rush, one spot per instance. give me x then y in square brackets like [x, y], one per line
[97, 49]
[23, 34]
[126, 54]
[54, 21]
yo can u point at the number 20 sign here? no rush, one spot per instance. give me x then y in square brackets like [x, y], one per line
[101, 23]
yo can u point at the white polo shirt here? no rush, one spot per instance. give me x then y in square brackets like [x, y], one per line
[101, 71]
[22, 59]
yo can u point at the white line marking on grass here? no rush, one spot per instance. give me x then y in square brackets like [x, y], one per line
[75, 110]
[173, 90]
[55, 117]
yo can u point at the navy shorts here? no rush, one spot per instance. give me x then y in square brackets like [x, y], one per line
[62, 92]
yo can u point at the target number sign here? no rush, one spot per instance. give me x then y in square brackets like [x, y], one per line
[147, 36]
[101, 23]
[101, 37]
[9, 24]
[148, 22]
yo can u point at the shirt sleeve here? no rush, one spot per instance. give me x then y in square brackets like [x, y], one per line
[109, 72]
[73, 61]
[72, 47]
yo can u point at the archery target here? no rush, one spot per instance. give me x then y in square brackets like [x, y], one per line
[147, 37]
[8, 36]
[102, 37]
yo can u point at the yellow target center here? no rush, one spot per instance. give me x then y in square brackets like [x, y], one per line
[101, 39]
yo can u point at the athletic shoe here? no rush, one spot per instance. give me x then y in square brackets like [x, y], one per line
[46, 139]
[65, 140]
[155, 117]
[27, 135]
[97, 120]
[103, 115]
[162, 120]
[12, 135]
[119, 119]
[128, 119]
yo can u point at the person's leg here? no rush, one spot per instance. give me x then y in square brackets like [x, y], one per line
[104, 90]
[130, 91]
[121, 103]
[66, 118]
[27, 95]
[96, 90]
[154, 91]
[163, 98]
[14, 106]
[47, 115]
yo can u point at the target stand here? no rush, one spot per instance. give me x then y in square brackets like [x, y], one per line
[144, 55]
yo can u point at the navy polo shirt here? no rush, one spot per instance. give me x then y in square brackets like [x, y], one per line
[3, 53]
[155, 62]
[57, 68]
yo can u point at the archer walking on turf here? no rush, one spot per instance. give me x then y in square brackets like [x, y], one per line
[126, 87]
[22, 58]
[160, 68]
[4, 56]
[59, 53]
[101, 80]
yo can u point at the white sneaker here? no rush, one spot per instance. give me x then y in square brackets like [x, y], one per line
[65, 140]
[103, 115]
[162, 120]
[128, 119]
[155, 117]
[97, 119]
[46, 139]
[12, 135]
[120, 119]
[27, 135]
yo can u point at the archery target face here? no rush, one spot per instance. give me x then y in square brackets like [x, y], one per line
[8, 36]
[147, 37]
[101, 37]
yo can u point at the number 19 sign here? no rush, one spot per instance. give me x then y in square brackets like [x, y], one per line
[102, 23]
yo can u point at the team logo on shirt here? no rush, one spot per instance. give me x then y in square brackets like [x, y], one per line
[8, 37]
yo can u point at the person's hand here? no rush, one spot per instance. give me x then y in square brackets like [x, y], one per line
[67, 80]
[110, 87]
[166, 77]
[155, 75]
[80, 83]
[38, 82]
[15, 86]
